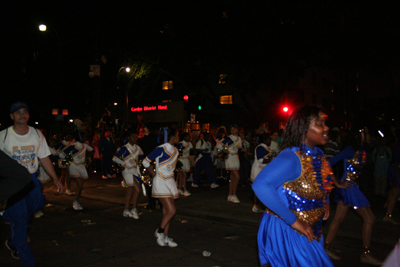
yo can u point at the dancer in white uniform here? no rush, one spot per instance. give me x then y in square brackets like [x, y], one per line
[131, 154]
[164, 186]
[184, 148]
[64, 178]
[232, 164]
[77, 169]
[262, 156]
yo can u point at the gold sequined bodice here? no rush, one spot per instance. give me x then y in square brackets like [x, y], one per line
[307, 194]
[306, 185]
[354, 166]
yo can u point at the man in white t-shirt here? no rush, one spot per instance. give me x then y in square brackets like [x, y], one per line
[28, 147]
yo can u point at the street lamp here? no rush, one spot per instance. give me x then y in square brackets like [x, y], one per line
[127, 70]
[43, 28]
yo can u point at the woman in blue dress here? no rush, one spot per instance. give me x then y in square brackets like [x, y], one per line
[295, 187]
[349, 195]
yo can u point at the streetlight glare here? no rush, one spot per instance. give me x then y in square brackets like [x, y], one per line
[128, 69]
[42, 27]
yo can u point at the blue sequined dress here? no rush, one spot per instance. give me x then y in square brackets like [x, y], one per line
[293, 186]
[352, 162]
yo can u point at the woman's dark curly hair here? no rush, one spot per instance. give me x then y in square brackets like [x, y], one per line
[297, 125]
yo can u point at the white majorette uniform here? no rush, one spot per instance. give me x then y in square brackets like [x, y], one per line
[164, 185]
[77, 168]
[185, 148]
[131, 155]
[233, 143]
[261, 152]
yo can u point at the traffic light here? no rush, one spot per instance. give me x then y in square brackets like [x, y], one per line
[194, 104]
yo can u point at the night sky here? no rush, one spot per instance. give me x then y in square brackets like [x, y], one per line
[230, 35]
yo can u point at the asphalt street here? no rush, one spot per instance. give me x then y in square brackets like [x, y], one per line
[205, 222]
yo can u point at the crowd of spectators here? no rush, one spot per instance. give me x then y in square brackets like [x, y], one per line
[378, 145]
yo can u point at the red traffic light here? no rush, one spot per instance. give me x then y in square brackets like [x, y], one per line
[186, 97]
[285, 109]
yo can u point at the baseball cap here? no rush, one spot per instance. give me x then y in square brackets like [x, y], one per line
[18, 105]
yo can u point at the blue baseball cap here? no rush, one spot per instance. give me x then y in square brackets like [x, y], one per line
[18, 105]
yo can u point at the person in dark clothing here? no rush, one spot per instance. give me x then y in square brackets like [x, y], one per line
[245, 167]
[148, 143]
[394, 181]
[15, 184]
[204, 161]
[15, 181]
[107, 151]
